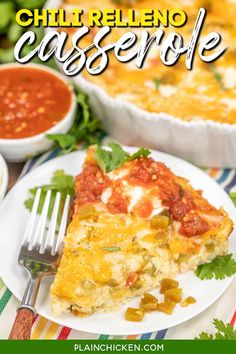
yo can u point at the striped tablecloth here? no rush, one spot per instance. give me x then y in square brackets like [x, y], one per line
[224, 308]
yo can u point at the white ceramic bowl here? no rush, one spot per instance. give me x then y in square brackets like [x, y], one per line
[3, 177]
[205, 143]
[16, 150]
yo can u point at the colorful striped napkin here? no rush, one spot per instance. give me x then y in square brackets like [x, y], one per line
[224, 308]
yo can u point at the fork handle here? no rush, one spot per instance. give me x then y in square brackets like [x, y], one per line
[21, 328]
[26, 312]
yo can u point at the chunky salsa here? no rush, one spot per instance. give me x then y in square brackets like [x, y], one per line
[184, 207]
[31, 101]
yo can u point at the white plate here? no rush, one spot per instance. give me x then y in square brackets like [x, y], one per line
[3, 177]
[13, 219]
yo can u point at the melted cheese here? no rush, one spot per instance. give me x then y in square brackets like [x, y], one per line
[229, 77]
[229, 102]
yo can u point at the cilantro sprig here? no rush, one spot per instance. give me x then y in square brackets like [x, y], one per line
[220, 268]
[87, 128]
[224, 331]
[109, 160]
[60, 182]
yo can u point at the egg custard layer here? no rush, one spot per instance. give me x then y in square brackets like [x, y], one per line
[207, 92]
[131, 228]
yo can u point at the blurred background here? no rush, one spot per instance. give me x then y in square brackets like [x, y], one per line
[10, 31]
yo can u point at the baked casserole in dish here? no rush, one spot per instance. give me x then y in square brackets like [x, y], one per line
[161, 107]
[207, 92]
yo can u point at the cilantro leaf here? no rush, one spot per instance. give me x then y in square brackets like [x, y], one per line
[142, 152]
[220, 268]
[103, 158]
[224, 331]
[157, 83]
[82, 99]
[205, 336]
[87, 128]
[233, 197]
[60, 182]
[67, 142]
[111, 249]
[109, 160]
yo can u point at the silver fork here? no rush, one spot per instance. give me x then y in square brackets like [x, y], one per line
[39, 256]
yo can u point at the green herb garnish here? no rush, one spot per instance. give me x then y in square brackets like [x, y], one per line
[220, 268]
[142, 152]
[217, 76]
[87, 128]
[233, 197]
[224, 331]
[111, 249]
[60, 182]
[157, 83]
[109, 160]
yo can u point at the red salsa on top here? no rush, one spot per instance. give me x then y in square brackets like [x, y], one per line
[92, 182]
[31, 101]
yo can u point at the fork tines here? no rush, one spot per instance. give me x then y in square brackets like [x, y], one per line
[43, 232]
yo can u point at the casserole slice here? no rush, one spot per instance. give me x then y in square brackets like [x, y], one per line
[132, 227]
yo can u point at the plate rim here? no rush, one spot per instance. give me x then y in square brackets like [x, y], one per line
[59, 320]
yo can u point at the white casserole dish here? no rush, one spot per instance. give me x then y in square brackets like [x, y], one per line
[16, 150]
[205, 143]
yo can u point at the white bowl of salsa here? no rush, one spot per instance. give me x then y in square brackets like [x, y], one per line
[34, 101]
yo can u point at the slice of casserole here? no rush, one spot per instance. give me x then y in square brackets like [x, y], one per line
[132, 227]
